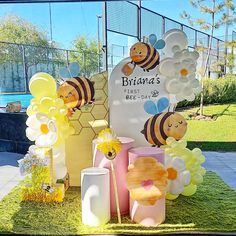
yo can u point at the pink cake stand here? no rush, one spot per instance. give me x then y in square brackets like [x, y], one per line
[121, 166]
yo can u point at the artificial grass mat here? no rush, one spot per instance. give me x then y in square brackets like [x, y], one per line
[212, 208]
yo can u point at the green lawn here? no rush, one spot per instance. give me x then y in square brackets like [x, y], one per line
[212, 208]
[217, 135]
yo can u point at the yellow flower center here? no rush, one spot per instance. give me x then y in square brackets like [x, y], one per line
[172, 173]
[44, 128]
[184, 72]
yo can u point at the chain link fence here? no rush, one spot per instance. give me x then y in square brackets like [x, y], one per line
[132, 20]
[19, 62]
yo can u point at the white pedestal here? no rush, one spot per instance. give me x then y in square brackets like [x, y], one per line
[95, 196]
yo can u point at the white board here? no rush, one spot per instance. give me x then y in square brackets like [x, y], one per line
[127, 95]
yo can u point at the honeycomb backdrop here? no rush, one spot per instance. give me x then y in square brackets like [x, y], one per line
[87, 122]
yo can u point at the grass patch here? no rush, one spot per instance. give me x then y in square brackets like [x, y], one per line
[217, 135]
[212, 208]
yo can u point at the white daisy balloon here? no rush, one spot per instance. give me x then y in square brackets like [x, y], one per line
[178, 176]
[42, 130]
[179, 67]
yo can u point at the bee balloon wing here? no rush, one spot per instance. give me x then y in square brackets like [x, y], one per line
[74, 69]
[152, 39]
[162, 104]
[160, 44]
[64, 73]
[150, 107]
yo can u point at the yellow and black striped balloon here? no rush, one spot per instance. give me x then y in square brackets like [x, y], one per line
[77, 92]
[144, 56]
[161, 126]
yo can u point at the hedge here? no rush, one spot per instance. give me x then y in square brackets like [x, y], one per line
[222, 90]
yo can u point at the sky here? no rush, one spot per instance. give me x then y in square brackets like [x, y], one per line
[70, 20]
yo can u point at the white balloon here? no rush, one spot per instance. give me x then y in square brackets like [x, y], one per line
[194, 83]
[166, 67]
[190, 97]
[59, 154]
[173, 86]
[175, 49]
[179, 97]
[173, 38]
[187, 91]
[60, 171]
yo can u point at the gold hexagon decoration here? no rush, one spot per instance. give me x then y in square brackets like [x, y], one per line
[99, 112]
[79, 154]
[99, 79]
[88, 122]
[76, 125]
[105, 88]
[99, 125]
[86, 119]
[75, 115]
[106, 103]
[107, 117]
[100, 97]
[87, 108]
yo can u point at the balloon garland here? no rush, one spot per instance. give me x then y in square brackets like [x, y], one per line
[191, 161]
[48, 126]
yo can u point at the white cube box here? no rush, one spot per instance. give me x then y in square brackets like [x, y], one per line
[95, 196]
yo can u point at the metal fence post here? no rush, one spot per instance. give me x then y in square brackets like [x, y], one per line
[139, 21]
[104, 29]
[196, 38]
[25, 69]
[163, 25]
[67, 57]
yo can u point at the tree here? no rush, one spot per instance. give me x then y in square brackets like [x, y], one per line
[228, 18]
[22, 41]
[211, 9]
[86, 54]
[230, 59]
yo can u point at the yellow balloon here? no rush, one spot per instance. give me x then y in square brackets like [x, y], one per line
[63, 111]
[170, 196]
[29, 111]
[42, 84]
[59, 103]
[197, 179]
[189, 190]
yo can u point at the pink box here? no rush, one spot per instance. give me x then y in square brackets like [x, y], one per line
[147, 215]
[121, 167]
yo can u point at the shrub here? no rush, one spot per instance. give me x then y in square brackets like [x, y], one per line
[220, 91]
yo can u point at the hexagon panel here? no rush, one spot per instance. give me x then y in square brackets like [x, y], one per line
[85, 119]
[88, 122]
[99, 80]
[76, 125]
[99, 112]
[100, 97]
[99, 125]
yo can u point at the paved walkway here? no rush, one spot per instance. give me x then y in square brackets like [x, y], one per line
[9, 172]
[224, 164]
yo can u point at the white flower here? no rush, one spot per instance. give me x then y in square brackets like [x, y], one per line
[34, 157]
[42, 130]
[178, 176]
[180, 71]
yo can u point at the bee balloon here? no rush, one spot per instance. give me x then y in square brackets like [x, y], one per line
[163, 124]
[76, 91]
[144, 55]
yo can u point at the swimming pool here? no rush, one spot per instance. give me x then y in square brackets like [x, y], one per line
[23, 98]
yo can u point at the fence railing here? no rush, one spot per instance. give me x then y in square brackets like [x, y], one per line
[18, 62]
